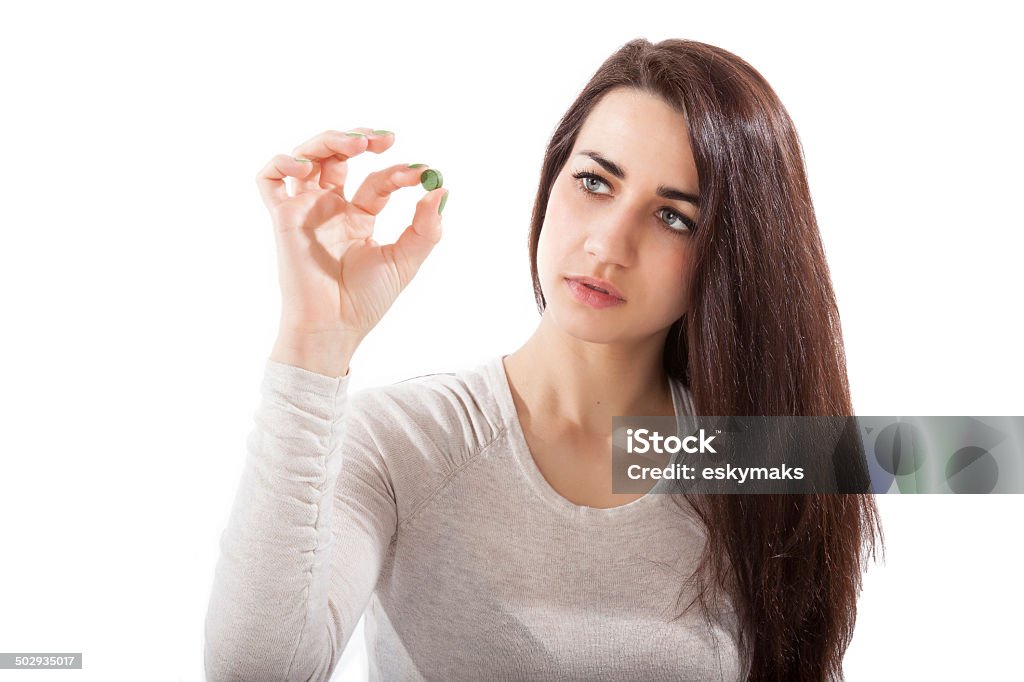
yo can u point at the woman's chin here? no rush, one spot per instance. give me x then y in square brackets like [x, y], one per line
[585, 326]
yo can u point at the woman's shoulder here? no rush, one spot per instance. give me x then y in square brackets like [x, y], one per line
[428, 425]
[457, 402]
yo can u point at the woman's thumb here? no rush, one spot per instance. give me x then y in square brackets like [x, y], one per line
[419, 239]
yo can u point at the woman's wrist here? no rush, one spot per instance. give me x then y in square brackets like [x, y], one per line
[326, 354]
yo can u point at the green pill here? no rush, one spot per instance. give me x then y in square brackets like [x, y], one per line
[431, 179]
[417, 165]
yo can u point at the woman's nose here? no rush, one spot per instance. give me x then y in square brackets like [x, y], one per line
[613, 238]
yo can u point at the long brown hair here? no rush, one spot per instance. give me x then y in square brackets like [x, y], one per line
[762, 337]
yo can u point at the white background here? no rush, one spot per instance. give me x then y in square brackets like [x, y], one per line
[139, 291]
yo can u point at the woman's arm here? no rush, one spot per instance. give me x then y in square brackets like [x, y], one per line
[301, 553]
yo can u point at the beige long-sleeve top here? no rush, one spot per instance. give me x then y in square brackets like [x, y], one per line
[420, 504]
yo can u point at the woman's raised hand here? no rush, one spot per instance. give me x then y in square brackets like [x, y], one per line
[336, 281]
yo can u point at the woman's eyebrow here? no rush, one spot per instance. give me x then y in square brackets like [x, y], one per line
[616, 170]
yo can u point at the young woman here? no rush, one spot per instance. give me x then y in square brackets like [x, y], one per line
[678, 269]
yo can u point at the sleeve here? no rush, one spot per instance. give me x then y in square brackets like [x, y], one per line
[302, 552]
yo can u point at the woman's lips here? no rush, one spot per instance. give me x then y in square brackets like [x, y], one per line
[592, 297]
[599, 284]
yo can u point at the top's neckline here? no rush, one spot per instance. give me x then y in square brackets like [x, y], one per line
[517, 437]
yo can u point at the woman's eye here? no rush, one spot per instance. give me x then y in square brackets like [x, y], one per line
[682, 222]
[589, 182]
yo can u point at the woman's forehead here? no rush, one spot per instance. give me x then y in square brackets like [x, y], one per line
[641, 134]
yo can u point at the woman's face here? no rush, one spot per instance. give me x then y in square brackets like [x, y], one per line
[617, 224]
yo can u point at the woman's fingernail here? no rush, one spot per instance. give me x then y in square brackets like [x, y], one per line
[350, 134]
[297, 158]
[431, 179]
[417, 165]
[382, 132]
[444, 200]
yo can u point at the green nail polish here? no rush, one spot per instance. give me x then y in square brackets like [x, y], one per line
[431, 179]
[444, 200]
[417, 165]
[301, 159]
[382, 132]
[355, 135]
